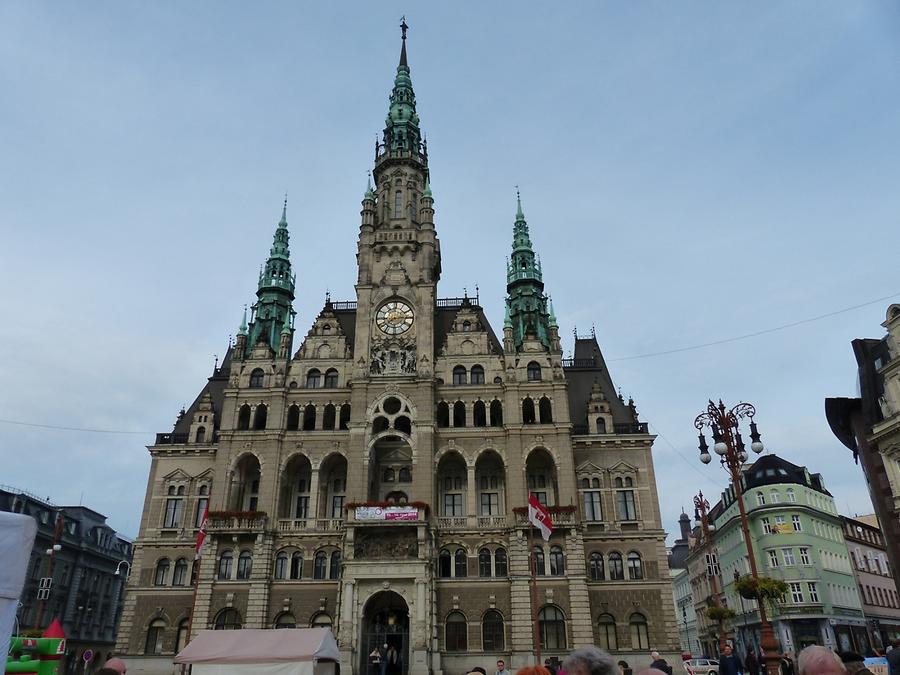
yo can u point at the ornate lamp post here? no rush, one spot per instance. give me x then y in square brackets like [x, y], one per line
[701, 505]
[728, 444]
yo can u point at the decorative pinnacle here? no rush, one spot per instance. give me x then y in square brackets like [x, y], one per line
[243, 327]
[286, 329]
[403, 29]
[370, 193]
[507, 321]
[552, 317]
[427, 192]
[520, 215]
[284, 211]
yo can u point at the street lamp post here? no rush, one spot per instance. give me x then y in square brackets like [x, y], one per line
[702, 507]
[728, 444]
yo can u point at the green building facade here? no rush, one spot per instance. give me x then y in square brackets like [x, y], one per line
[798, 538]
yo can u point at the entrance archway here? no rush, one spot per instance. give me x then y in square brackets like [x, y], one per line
[385, 633]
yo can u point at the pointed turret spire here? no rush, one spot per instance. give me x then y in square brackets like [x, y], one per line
[370, 193]
[402, 136]
[403, 29]
[526, 303]
[242, 330]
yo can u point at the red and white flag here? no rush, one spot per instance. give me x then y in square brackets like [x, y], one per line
[201, 535]
[539, 516]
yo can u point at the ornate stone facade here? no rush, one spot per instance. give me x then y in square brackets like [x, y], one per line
[403, 399]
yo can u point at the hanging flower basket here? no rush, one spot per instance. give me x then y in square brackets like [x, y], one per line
[762, 588]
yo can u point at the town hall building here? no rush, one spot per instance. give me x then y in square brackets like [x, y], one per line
[372, 475]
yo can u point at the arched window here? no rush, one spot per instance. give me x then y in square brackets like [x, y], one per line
[260, 416]
[388, 476]
[181, 635]
[527, 411]
[179, 578]
[500, 563]
[538, 554]
[616, 571]
[404, 475]
[443, 415]
[557, 561]
[201, 435]
[296, 565]
[601, 425]
[321, 620]
[281, 561]
[496, 413]
[640, 638]
[534, 372]
[606, 631]
[228, 619]
[545, 410]
[162, 572]
[313, 379]
[380, 424]
[309, 417]
[245, 564]
[344, 422]
[459, 375]
[320, 566]
[484, 563]
[479, 414]
[492, 638]
[477, 375]
[456, 632]
[334, 567]
[398, 204]
[403, 424]
[459, 414]
[445, 564]
[595, 567]
[328, 417]
[155, 631]
[225, 564]
[553, 628]
[293, 418]
[460, 563]
[285, 620]
[635, 566]
[256, 378]
[244, 418]
[331, 378]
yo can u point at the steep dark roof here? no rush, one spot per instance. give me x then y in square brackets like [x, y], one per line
[443, 323]
[772, 469]
[587, 367]
[347, 320]
[215, 386]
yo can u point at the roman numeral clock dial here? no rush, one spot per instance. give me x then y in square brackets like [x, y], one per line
[394, 318]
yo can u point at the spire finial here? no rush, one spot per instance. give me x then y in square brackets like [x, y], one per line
[284, 210]
[403, 29]
[242, 330]
[520, 215]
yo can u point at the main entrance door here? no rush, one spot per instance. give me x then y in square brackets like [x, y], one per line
[385, 635]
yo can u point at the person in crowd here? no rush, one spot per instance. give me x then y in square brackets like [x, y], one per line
[652, 671]
[752, 662]
[729, 664]
[660, 663]
[893, 658]
[116, 664]
[787, 664]
[548, 664]
[590, 661]
[855, 663]
[624, 668]
[501, 668]
[532, 670]
[818, 660]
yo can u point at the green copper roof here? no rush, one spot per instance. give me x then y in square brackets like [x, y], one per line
[401, 131]
[369, 194]
[242, 330]
[527, 307]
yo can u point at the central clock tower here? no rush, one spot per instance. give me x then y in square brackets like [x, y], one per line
[398, 254]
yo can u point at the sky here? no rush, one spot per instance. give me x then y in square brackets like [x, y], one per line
[691, 172]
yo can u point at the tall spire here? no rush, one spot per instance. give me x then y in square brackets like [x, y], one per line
[275, 291]
[527, 306]
[403, 29]
[402, 136]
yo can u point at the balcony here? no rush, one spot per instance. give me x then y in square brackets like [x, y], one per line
[379, 513]
[472, 523]
[563, 516]
[180, 439]
[237, 522]
[310, 524]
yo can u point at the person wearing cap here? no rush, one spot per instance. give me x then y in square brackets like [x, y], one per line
[854, 663]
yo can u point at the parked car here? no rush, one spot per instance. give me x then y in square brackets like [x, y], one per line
[701, 667]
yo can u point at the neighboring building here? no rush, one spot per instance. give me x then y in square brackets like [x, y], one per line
[798, 537]
[400, 398]
[685, 616]
[86, 591]
[870, 427]
[877, 588]
[705, 575]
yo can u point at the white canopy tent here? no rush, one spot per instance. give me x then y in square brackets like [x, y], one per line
[284, 651]
[17, 532]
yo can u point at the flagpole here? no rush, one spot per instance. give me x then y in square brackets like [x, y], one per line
[534, 594]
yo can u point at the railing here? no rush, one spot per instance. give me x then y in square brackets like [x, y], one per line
[630, 428]
[227, 523]
[381, 150]
[343, 305]
[310, 524]
[558, 518]
[455, 303]
[471, 522]
[580, 363]
[178, 439]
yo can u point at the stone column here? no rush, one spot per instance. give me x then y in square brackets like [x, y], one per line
[258, 597]
[580, 621]
[521, 627]
[471, 502]
[313, 511]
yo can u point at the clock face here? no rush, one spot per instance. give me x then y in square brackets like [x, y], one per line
[394, 317]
